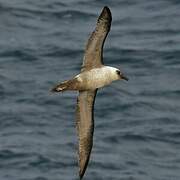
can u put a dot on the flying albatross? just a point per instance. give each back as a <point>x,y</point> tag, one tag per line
<point>94,74</point>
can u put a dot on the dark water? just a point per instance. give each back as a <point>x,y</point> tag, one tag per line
<point>137,123</point>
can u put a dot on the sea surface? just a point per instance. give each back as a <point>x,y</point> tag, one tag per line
<point>137,123</point>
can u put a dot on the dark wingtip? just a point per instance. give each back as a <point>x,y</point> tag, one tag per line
<point>83,170</point>
<point>106,8</point>
<point>107,11</point>
<point>106,14</point>
<point>81,174</point>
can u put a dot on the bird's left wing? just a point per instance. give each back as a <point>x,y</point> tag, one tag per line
<point>85,127</point>
<point>94,48</point>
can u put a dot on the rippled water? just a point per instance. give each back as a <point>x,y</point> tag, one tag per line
<point>137,123</point>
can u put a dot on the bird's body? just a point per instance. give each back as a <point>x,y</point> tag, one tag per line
<point>90,80</point>
<point>94,75</point>
<point>97,77</point>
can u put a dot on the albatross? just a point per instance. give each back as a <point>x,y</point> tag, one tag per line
<point>94,75</point>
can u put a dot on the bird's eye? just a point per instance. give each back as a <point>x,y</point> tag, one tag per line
<point>118,72</point>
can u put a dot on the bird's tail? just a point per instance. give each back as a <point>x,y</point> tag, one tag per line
<point>60,87</point>
<point>66,85</point>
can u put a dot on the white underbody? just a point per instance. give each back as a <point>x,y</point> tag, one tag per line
<point>98,77</point>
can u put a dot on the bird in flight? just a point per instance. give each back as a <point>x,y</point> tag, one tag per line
<point>94,74</point>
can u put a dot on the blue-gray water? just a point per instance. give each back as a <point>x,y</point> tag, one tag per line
<point>137,123</point>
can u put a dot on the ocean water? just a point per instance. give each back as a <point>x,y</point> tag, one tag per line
<point>137,123</point>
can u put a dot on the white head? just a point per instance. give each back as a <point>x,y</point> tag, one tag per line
<point>117,74</point>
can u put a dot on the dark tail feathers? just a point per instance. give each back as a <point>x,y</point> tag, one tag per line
<point>60,87</point>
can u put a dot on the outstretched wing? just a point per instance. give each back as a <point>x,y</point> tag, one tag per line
<point>85,127</point>
<point>94,48</point>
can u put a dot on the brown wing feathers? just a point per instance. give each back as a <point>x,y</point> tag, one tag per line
<point>93,57</point>
<point>85,127</point>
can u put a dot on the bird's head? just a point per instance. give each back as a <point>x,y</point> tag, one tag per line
<point>120,75</point>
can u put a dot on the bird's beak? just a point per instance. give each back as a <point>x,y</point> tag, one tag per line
<point>124,77</point>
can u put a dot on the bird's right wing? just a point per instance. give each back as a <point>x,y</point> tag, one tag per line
<point>85,127</point>
<point>94,48</point>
